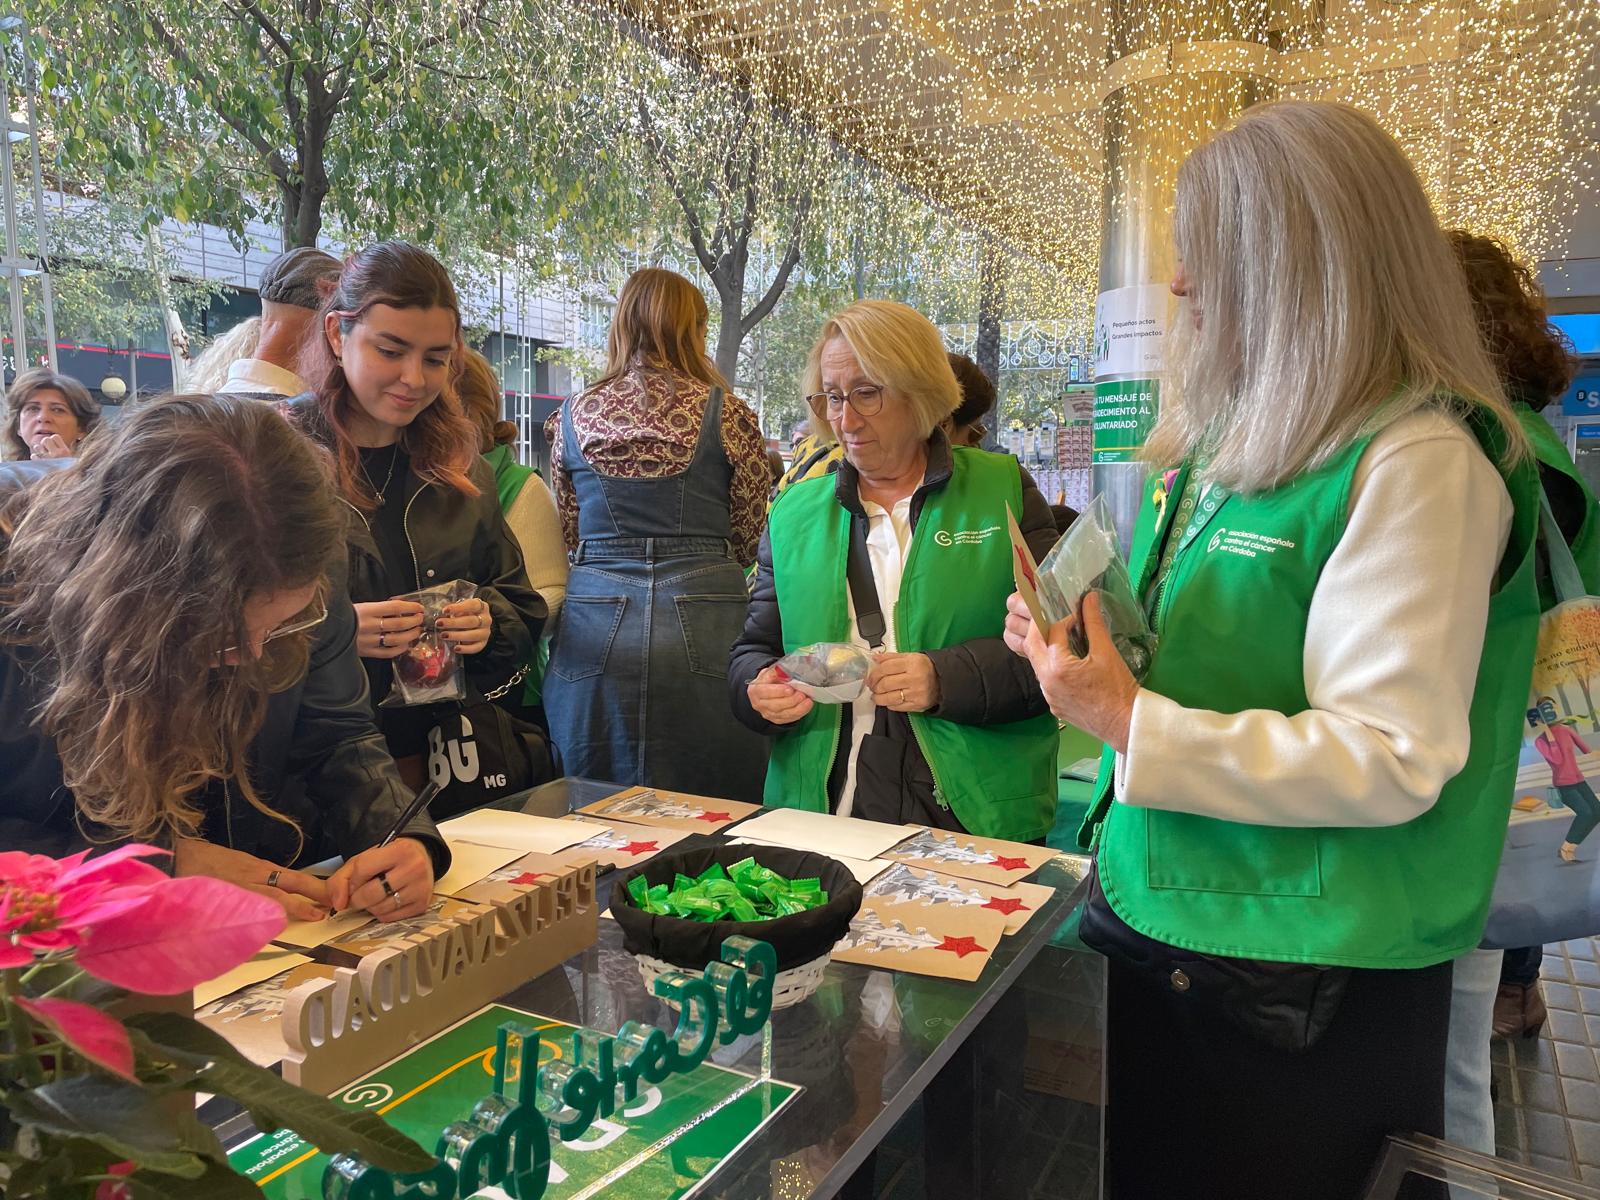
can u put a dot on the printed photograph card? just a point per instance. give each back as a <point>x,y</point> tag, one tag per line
<point>670,810</point>
<point>950,941</point>
<point>991,860</point>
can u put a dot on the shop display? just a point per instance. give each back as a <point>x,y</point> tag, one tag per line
<point>828,672</point>
<point>430,671</point>
<point>951,941</point>
<point>669,1116</point>
<point>670,810</point>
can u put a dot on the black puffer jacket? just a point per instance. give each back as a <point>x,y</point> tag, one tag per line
<point>317,758</point>
<point>980,681</point>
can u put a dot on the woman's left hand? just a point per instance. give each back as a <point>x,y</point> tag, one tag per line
<point>51,445</point>
<point>404,864</point>
<point>1095,693</point>
<point>904,682</point>
<point>466,624</point>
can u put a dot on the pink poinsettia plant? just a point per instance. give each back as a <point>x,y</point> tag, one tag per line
<point>81,1086</point>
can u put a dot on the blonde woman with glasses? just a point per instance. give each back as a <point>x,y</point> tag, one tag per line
<point>1302,804</point>
<point>952,729</point>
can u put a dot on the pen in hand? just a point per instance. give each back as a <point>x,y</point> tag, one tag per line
<point>419,803</point>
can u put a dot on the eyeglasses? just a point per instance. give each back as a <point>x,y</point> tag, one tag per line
<point>315,614</point>
<point>867,400</point>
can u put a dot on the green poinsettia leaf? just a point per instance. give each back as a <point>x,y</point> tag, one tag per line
<point>117,1116</point>
<point>273,1103</point>
<point>219,1182</point>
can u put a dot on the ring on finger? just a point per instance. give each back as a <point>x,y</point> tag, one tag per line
<point>380,624</point>
<point>902,695</point>
<point>272,877</point>
<point>395,895</point>
<point>383,640</point>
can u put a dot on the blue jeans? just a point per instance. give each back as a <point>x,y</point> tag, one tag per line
<point>1468,1109</point>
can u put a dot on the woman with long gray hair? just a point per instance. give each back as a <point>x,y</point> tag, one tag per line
<point>1302,804</point>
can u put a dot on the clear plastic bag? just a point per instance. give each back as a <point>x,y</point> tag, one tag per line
<point>828,672</point>
<point>431,670</point>
<point>1089,558</point>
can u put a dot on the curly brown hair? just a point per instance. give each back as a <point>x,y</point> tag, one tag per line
<point>1534,357</point>
<point>442,442</point>
<point>124,576</point>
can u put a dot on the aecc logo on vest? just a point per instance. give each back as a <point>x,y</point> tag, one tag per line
<point>1246,544</point>
<point>965,537</point>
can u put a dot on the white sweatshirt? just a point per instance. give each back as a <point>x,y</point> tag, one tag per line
<point>1393,638</point>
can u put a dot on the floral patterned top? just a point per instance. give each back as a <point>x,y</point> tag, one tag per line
<point>645,426</point>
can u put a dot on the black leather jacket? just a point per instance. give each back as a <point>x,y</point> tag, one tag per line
<point>456,536</point>
<point>317,758</point>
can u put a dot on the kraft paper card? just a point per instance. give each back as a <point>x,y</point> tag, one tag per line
<point>251,1018</point>
<point>950,941</point>
<point>1025,571</point>
<point>314,933</point>
<point>470,862</point>
<point>622,845</point>
<point>263,965</point>
<point>904,885</point>
<point>670,810</point>
<point>510,881</point>
<point>864,869</point>
<point>837,837</point>
<point>376,936</point>
<point>518,831</point>
<point>989,859</point>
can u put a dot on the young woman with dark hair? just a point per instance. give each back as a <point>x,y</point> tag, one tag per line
<point>177,665</point>
<point>425,509</point>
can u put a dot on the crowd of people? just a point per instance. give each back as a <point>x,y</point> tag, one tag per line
<point>204,606</point>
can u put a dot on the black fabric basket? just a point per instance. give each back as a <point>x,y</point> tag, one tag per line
<point>797,939</point>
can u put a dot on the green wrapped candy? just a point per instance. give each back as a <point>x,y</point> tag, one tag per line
<point>746,891</point>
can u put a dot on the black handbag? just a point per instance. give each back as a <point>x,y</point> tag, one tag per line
<point>479,752</point>
<point>1286,1006</point>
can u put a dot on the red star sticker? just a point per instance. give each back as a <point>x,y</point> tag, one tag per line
<point>1005,904</point>
<point>640,848</point>
<point>532,877</point>
<point>1010,864</point>
<point>961,946</point>
<point>714,817</point>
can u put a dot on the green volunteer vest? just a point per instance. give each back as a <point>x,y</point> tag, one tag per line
<point>999,780</point>
<point>1548,449</point>
<point>509,474</point>
<point>1231,616</point>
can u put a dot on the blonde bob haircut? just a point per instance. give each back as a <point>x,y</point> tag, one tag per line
<point>1325,300</point>
<point>900,350</point>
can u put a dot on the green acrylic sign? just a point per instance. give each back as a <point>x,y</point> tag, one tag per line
<point>630,1094</point>
<point>1124,413</point>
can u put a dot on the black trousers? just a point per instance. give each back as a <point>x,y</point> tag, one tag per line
<point>1200,1109</point>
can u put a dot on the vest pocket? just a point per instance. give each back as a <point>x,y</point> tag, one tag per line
<point>710,626</point>
<point>1202,854</point>
<point>582,643</point>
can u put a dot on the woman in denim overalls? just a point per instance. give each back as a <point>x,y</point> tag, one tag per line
<point>661,480</point>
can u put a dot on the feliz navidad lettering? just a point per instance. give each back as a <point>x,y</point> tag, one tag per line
<point>505,1142</point>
